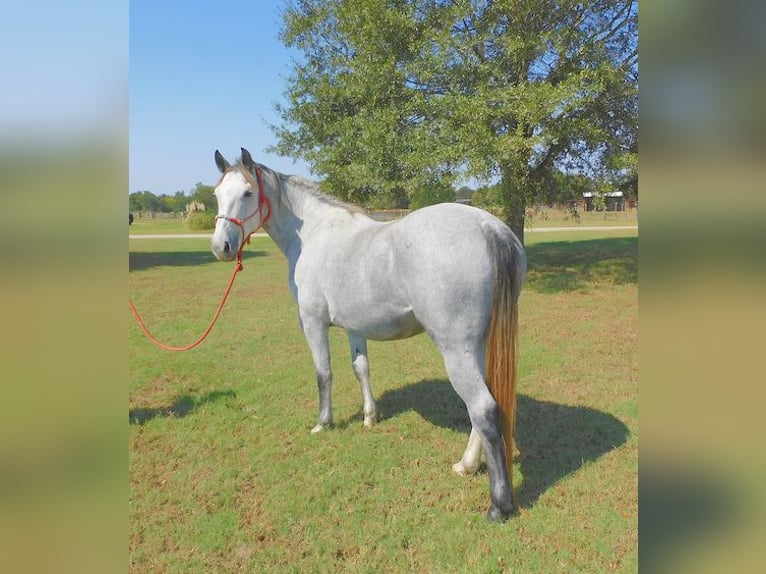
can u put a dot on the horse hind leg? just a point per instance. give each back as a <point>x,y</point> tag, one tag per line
<point>467,379</point>
<point>484,417</point>
<point>361,366</point>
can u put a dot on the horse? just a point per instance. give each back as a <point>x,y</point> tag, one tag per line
<point>451,270</point>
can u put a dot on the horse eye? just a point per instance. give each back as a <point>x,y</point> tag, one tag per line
<point>248,193</point>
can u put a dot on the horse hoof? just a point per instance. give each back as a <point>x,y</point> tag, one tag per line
<point>318,428</point>
<point>463,470</point>
<point>496,515</point>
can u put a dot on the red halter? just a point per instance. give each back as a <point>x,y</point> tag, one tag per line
<point>262,201</point>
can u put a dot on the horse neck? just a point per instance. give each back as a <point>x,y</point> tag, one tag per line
<point>293,211</point>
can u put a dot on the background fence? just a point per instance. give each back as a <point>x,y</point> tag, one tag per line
<point>159,214</point>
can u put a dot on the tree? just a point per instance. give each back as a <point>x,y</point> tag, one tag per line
<point>464,192</point>
<point>204,194</point>
<point>176,202</point>
<point>430,194</point>
<point>488,198</point>
<point>146,201</point>
<point>394,95</point>
<point>567,188</point>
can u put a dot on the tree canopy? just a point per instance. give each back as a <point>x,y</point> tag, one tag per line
<point>394,97</point>
<point>147,201</point>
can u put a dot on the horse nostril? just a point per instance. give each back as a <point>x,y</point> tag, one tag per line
<point>226,247</point>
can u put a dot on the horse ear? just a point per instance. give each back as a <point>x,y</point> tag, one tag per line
<point>247,159</point>
<point>222,164</point>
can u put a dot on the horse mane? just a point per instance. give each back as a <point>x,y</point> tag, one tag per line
<point>304,185</point>
<point>312,188</point>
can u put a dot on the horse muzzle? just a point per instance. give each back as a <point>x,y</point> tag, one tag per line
<point>226,241</point>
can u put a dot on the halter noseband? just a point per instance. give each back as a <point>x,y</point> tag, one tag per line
<point>262,201</point>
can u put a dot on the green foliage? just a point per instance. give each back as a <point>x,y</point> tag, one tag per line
<point>204,194</point>
<point>146,201</point>
<point>394,198</point>
<point>565,188</point>
<point>394,95</point>
<point>487,197</point>
<point>202,220</point>
<point>623,171</point>
<point>430,194</point>
<point>464,192</point>
<point>176,202</point>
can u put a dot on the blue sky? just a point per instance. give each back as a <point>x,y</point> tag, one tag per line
<point>203,76</point>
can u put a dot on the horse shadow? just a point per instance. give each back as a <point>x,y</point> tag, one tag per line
<point>140,260</point>
<point>554,439</point>
<point>181,407</point>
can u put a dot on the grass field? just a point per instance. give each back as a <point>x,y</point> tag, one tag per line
<point>146,226</point>
<point>225,476</point>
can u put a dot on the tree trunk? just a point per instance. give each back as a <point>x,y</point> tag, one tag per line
<point>514,205</point>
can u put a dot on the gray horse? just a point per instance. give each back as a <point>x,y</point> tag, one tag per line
<point>450,270</point>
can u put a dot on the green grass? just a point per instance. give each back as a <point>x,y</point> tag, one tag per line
<point>225,476</point>
<point>147,226</point>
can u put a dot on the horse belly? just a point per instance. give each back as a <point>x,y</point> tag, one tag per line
<point>380,323</point>
<point>363,290</point>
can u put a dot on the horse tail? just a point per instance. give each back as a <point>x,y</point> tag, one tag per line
<point>502,339</point>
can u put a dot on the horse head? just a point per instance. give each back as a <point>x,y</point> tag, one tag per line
<point>242,205</point>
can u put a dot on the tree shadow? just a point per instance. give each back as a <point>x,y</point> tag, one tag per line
<point>574,265</point>
<point>139,260</point>
<point>554,439</point>
<point>180,408</point>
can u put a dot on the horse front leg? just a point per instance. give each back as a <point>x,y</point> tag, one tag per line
<point>317,337</point>
<point>361,366</point>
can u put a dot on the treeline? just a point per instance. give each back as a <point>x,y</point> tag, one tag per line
<point>559,189</point>
<point>148,201</point>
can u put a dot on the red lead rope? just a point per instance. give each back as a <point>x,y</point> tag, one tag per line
<point>262,201</point>
<point>237,269</point>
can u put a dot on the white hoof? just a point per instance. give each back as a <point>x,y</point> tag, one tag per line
<point>459,468</point>
<point>464,470</point>
<point>370,417</point>
<point>318,428</point>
